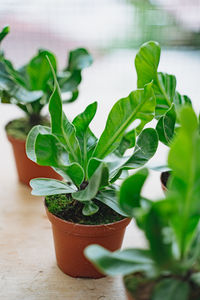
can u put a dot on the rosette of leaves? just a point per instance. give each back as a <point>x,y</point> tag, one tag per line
<point>170,268</point>
<point>168,99</point>
<point>89,164</point>
<point>30,86</point>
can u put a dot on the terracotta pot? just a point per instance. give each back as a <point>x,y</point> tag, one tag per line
<point>70,240</point>
<point>128,295</point>
<point>26,168</point>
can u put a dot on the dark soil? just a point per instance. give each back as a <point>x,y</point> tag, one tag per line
<point>165,177</point>
<point>142,289</point>
<point>19,128</point>
<point>68,209</point>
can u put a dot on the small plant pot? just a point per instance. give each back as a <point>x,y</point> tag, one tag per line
<point>26,168</point>
<point>70,240</point>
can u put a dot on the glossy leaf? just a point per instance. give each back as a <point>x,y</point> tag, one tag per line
<point>146,63</point>
<point>31,139</point>
<point>129,197</point>
<point>145,148</point>
<point>140,104</point>
<point>47,187</point>
<point>99,179</point>
<point>86,138</point>
<point>60,125</point>
<point>79,59</point>
<point>120,262</point>
<point>39,71</point>
<point>166,125</point>
<point>90,208</point>
<point>109,198</point>
<point>164,85</point>
<point>127,142</point>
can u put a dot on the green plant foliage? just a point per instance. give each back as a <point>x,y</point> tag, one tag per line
<point>171,225</point>
<point>168,100</point>
<point>30,86</point>
<point>92,165</point>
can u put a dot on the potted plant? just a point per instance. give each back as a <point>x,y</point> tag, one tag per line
<point>170,267</point>
<point>29,88</point>
<point>83,209</point>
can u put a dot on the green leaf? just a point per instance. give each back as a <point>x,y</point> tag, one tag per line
<point>166,125</point>
<point>90,208</point>
<point>129,197</point>
<point>140,104</point>
<point>60,125</point>
<point>39,71</point>
<point>46,150</point>
<point>47,187</point>
<point>109,198</point>
<point>120,262</point>
<point>146,147</point>
<point>170,289</point>
<point>146,63</point>
<point>79,59</point>
<point>86,138</point>
<point>127,142</point>
<point>4,32</point>
<point>184,181</point>
<point>99,179</point>
<point>164,85</point>
<point>31,139</point>
<point>196,278</point>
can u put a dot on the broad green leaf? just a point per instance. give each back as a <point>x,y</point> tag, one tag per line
<point>145,148</point>
<point>140,104</point>
<point>129,197</point>
<point>164,85</point>
<point>31,139</point>
<point>47,187</point>
<point>166,125</point>
<point>99,179</point>
<point>45,149</point>
<point>196,278</point>
<point>146,63</point>
<point>90,208</point>
<point>184,181</point>
<point>171,289</point>
<point>79,59</point>
<point>4,32</point>
<point>39,71</point>
<point>60,125</point>
<point>109,198</point>
<point>120,262</point>
<point>11,89</point>
<point>127,142</point>
<point>86,138</point>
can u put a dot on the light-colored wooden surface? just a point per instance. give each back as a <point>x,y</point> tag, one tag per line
<point>28,268</point>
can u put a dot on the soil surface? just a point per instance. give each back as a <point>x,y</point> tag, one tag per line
<point>68,209</point>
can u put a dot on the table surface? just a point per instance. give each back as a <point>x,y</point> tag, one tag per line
<point>28,268</point>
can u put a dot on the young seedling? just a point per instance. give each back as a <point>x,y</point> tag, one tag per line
<point>30,86</point>
<point>90,165</point>
<point>170,268</point>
